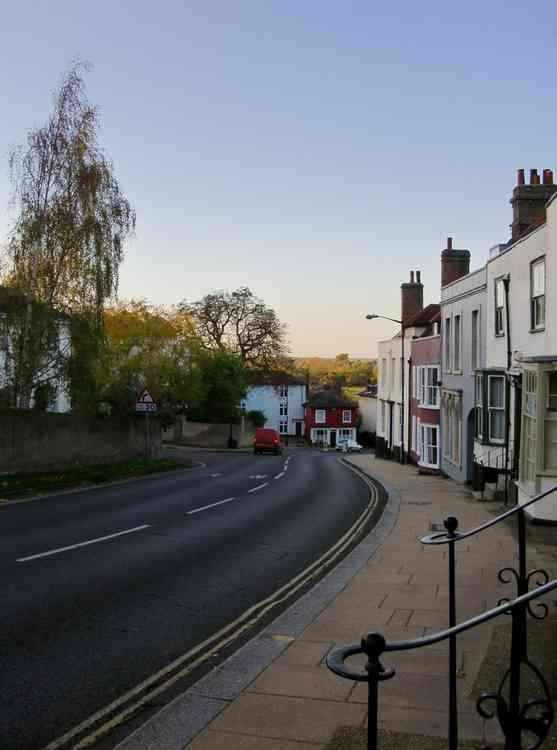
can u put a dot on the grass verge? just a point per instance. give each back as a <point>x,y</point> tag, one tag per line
<point>16,486</point>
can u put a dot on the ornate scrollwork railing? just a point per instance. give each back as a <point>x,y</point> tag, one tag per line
<point>525,726</point>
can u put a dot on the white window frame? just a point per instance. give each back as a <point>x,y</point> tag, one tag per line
<point>457,343</point>
<point>499,307</point>
<point>283,427</point>
<point>447,344</point>
<point>491,408</point>
<point>414,436</point>
<point>478,406</point>
<point>475,343</point>
<point>429,391</point>
<point>283,391</point>
<point>320,416</point>
<point>346,420</point>
<point>283,409</point>
<point>537,297</point>
<point>427,445</point>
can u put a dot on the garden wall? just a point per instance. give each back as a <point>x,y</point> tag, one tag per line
<point>207,435</point>
<point>32,442</point>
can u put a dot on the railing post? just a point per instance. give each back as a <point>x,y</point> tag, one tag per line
<point>373,645</point>
<point>451,524</point>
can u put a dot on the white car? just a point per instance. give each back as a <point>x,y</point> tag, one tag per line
<point>349,446</point>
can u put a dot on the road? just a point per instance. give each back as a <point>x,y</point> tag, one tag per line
<point>103,588</point>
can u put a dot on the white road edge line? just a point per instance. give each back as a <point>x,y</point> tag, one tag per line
<point>82,544</point>
<point>278,476</point>
<point>259,487</point>
<point>212,505</point>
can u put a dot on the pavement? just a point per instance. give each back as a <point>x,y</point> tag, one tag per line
<point>277,693</point>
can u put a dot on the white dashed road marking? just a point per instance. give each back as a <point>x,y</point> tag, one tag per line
<point>259,487</point>
<point>82,544</point>
<point>212,505</point>
<point>278,476</point>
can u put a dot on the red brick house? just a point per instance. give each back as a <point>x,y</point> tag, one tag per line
<point>330,418</point>
<point>425,401</point>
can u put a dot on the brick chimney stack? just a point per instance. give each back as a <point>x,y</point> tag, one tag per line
<point>411,297</point>
<point>529,201</point>
<point>454,263</point>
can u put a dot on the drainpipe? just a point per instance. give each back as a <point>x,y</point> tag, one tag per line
<point>409,412</point>
<point>506,285</point>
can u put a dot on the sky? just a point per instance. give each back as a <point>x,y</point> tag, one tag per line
<point>314,151</point>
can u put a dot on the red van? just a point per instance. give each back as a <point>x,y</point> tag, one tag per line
<point>266,440</point>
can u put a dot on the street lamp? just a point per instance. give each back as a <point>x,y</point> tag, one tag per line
<point>401,324</point>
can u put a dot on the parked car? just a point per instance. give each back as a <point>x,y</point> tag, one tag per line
<point>266,439</point>
<point>349,446</point>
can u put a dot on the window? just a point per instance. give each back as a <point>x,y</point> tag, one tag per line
<point>347,416</point>
<point>320,416</point>
<point>475,339</point>
<point>428,385</point>
<point>283,408</point>
<point>499,305</point>
<point>283,391</point>
<point>429,454</point>
<point>552,391</point>
<point>448,344</point>
<point>496,408</point>
<point>452,427</point>
<point>457,343</point>
<point>283,426</point>
<point>478,409</point>
<point>414,446</point>
<point>431,395</point>
<point>383,373</point>
<point>415,382</point>
<point>345,433</point>
<point>392,373</point>
<point>537,294</point>
<point>529,425</point>
<point>383,424</point>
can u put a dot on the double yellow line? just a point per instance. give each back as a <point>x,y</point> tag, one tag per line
<point>134,700</point>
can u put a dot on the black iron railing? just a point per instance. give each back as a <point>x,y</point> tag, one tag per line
<point>520,724</point>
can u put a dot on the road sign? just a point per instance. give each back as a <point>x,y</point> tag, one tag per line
<point>145,403</point>
<point>145,407</point>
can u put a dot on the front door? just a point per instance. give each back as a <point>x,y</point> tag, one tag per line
<point>333,438</point>
<point>298,429</point>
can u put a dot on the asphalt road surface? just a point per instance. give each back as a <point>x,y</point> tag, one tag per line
<point>101,589</point>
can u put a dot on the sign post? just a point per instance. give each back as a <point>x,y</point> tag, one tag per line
<point>147,405</point>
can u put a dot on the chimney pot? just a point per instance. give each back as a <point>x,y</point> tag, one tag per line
<point>411,277</point>
<point>534,177</point>
<point>418,275</point>
<point>449,243</point>
<point>547,177</point>
<point>520,177</point>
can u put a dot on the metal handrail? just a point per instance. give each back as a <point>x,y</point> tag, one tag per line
<point>335,659</point>
<point>446,537</point>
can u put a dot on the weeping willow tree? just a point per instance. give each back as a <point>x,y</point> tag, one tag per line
<point>67,242</point>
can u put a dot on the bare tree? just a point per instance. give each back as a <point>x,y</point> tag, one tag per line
<point>240,322</point>
<point>67,243</point>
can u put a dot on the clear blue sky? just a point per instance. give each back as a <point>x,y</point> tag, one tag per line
<point>315,151</point>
